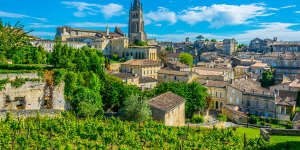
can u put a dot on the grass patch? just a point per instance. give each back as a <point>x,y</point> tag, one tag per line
<point>250,132</point>
<point>281,139</point>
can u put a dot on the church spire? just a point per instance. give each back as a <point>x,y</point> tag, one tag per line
<point>136,4</point>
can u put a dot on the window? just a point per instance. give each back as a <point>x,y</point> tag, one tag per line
<point>237,101</point>
<point>175,78</point>
<point>233,91</point>
<point>230,100</point>
<point>216,94</point>
<point>165,76</point>
<point>220,94</point>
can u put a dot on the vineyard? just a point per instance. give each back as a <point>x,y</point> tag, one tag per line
<point>67,132</point>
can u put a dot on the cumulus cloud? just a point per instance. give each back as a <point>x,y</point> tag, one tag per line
<point>162,14</point>
<point>298,12</point>
<point>96,24</point>
<point>220,15</point>
<point>84,9</point>
<point>15,15</point>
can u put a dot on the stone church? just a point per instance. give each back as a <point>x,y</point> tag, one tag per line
<point>136,23</point>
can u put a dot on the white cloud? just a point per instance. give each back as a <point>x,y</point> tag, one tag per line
<point>289,6</point>
<point>38,33</point>
<point>270,30</point>
<point>267,30</point>
<point>162,14</point>
<point>220,15</point>
<point>273,9</point>
<point>84,9</point>
<point>158,25</point>
<point>298,12</point>
<point>182,36</point>
<point>39,25</point>
<point>96,24</point>
<point>14,15</point>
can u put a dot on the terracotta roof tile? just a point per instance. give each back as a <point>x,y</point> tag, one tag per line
<point>166,101</point>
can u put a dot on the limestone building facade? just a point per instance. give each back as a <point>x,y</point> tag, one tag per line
<point>136,23</point>
<point>34,94</point>
<point>142,67</point>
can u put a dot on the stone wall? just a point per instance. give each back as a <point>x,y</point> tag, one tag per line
<point>30,113</point>
<point>176,117</point>
<point>232,113</point>
<point>32,96</point>
<point>12,76</point>
<point>266,133</point>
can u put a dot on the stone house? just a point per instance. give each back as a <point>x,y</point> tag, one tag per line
<point>169,75</point>
<point>214,74</point>
<point>146,83</point>
<point>34,94</point>
<point>240,71</point>
<point>142,67</point>
<point>251,98</point>
<point>259,68</point>
<point>217,91</point>
<point>168,108</point>
<point>128,78</point>
<point>230,46</point>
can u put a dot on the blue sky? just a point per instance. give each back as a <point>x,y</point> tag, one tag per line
<point>165,20</point>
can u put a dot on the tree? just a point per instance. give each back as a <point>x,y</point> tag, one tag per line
<point>267,79</point>
<point>87,102</point>
<point>200,37</point>
<point>169,48</point>
<point>135,109</point>
<point>206,40</point>
<point>194,93</point>
<point>213,40</point>
<point>163,57</point>
<point>186,58</point>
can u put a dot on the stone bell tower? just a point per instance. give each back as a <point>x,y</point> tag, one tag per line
<point>136,23</point>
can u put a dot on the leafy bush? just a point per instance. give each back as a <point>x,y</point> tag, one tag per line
<point>3,82</point>
<point>197,119</point>
<point>253,119</point>
<point>222,118</point>
<point>263,123</point>
<point>58,76</point>
<point>24,67</point>
<point>18,82</point>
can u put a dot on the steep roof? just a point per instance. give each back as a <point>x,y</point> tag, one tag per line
<point>212,83</point>
<point>173,72</point>
<point>166,102</point>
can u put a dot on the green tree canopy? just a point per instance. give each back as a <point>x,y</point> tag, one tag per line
<point>186,58</point>
<point>213,40</point>
<point>200,37</point>
<point>135,109</point>
<point>194,93</point>
<point>267,79</point>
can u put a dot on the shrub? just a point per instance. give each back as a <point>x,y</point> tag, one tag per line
<point>263,123</point>
<point>222,118</point>
<point>197,119</point>
<point>252,119</point>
